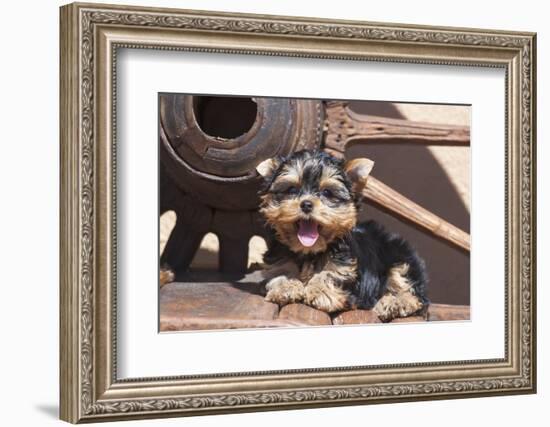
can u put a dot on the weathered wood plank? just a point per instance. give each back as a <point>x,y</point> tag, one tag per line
<point>225,305</point>
<point>443,312</point>
<point>303,314</point>
<point>188,306</point>
<point>356,317</point>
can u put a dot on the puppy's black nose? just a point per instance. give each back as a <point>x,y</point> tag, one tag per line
<point>306,206</point>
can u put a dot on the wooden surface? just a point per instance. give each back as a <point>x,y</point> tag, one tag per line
<point>226,305</point>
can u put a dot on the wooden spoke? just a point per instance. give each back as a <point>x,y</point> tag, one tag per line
<point>390,200</point>
<point>343,126</point>
<point>393,202</point>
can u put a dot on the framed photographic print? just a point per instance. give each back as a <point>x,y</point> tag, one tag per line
<point>265,212</point>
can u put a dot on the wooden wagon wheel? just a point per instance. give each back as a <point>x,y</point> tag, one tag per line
<point>210,147</point>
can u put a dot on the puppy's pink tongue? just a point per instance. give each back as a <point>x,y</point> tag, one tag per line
<point>307,232</point>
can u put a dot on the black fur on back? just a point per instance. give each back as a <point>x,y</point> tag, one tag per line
<point>377,251</point>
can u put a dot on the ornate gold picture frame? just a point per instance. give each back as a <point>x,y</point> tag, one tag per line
<point>91,34</point>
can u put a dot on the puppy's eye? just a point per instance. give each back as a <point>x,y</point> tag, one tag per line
<point>292,190</point>
<point>327,193</point>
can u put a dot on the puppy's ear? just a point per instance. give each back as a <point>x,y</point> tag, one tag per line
<point>268,167</point>
<point>358,171</point>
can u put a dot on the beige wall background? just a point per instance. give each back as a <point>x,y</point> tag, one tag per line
<point>436,177</point>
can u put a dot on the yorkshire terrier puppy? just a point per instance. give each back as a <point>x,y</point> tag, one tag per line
<point>319,255</point>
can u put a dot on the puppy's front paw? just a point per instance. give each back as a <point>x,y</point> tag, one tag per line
<point>323,295</point>
<point>391,306</point>
<point>282,290</point>
<point>386,308</point>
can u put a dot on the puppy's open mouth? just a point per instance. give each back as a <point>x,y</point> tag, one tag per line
<point>308,232</point>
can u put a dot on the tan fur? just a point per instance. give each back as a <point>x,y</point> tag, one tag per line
<point>166,276</point>
<point>332,184</point>
<point>283,286</point>
<point>341,273</point>
<point>323,289</point>
<point>400,300</point>
<point>328,174</point>
<point>267,167</point>
<point>397,280</point>
<point>324,294</point>
<point>296,168</point>
<point>318,283</point>
<point>288,211</point>
<point>358,171</point>
<point>328,181</point>
<point>345,273</point>
<point>334,222</point>
<point>283,290</point>
<point>285,181</point>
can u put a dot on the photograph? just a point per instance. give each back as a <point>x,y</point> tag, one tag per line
<point>275,213</point>
<point>284,212</point>
<point>262,212</point>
